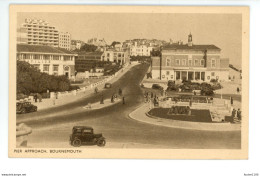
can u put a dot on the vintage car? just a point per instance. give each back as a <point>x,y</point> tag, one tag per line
<point>25,107</point>
<point>157,86</point>
<point>108,85</point>
<point>84,135</point>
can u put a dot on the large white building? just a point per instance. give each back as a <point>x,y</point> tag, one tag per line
<point>64,40</point>
<point>40,32</point>
<point>140,50</point>
<point>50,60</point>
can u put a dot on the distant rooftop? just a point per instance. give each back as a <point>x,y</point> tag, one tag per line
<point>193,47</point>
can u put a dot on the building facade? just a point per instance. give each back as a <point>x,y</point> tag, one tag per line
<point>50,60</point>
<point>190,62</point>
<point>140,50</point>
<point>87,60</point>
<point>64,40</point>
<point>120,56</point>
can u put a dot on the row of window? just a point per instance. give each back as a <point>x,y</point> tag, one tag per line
<point>183,62</point>
<point>45,57</point>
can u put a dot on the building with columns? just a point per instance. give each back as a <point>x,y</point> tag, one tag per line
<point>190,62</point>
<point>50,60</point>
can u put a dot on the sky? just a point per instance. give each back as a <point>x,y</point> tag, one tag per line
<point>222,30</point>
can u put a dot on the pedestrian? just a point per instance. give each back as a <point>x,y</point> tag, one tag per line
<point>190,102</point>
<point>35,98</point>
<point>102,100</point>
<point>239,114</point>
<point>233,114</point>
<point>96,90</point>
<point>120,92</point>
<point>40,97</point>
<point>151,94</point>
<point>238,90</point>
<point>112,99</point>
<point>123,100</point>
<point>231,101</point>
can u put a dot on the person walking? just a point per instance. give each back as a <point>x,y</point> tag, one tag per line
<point>233,114</point>
<point>123,100</point>
<point>102,100</point>
<point>239,114</point>
<point>238,90</point>
<point>112,99</point>
<point>231,101</point>
<point>39,97</point>
<point>35,98</point>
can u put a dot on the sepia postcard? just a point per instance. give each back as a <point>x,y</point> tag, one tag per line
<point>148,82</point>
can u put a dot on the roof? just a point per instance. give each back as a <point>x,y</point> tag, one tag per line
<point>41,49</point>
<point>94,54</point>
<point>82,127</point>
<point>193,47</point>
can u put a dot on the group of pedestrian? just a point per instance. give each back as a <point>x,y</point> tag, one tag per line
<point>236,113</point>
<point>36,97</point>
<point>148,96</point>
<point>114,96</point>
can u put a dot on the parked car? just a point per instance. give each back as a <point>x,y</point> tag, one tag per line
<point>84,135</point>
<point>157,86</point>
<point>25,107</point>
<point>108,85</point>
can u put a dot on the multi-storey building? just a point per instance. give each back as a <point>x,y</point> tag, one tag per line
<point>39,32</point>
<point>64,40</point>
<point>190,62</point>
<point>54,61</point>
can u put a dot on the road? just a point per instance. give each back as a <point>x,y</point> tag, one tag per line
<point>52,127</point>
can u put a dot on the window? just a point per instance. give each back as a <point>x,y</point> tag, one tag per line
<point>178,75</point>
<point>213,63</point>
<point>167,73</point>
<point>168,62</point>
<point>55,68</point>
<point>201,62</point>
<point>171,76</point>
<point>66,58</point>
<point>190,62</point>
<point>212,73</point>
<point>46,57</point>
<point>46,68</point>
<point>36,57</point>
<point>184,62</point>
<point>108,54</point>
<point>55,57</point>
<point>177,61</point>
<point>196,62</point>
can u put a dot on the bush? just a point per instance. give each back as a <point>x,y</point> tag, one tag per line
<point>73,88</point>
<point>30,80</point>
<point>21,96</point>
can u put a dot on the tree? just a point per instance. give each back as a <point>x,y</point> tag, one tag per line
<point>88,48</point>
<point>114,43</point>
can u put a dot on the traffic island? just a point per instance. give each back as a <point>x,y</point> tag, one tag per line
<point>141,114</point>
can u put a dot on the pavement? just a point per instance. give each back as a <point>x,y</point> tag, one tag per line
<point>51,102</point>
<point>140,114</point>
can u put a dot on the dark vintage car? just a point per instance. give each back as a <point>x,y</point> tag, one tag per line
<point>83,135</point>
<point>157,86</point>
<point>108,85</point>
<point>25,107</point>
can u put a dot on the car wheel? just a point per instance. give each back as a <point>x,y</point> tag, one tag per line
<point>101,142</point>
<point>76,143</point>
